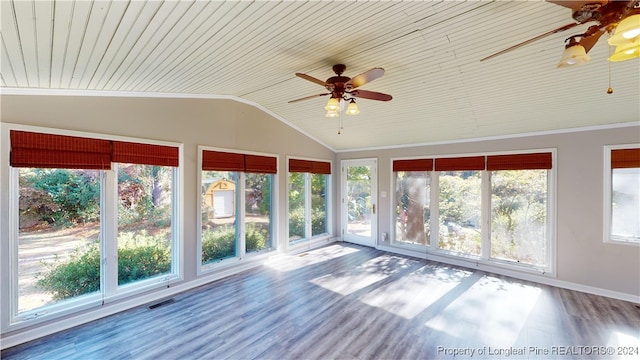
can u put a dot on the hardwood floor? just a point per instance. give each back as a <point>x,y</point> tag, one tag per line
<point>350,302</point>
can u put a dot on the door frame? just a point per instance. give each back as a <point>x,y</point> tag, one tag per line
<point>373,162</point>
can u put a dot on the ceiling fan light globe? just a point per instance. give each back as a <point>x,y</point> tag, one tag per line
<point>626,52</point>
<point>332,114</point>
<point>352,109</point>
<point>574,55</point>
<point>627,31</point>
<point>332,105</point>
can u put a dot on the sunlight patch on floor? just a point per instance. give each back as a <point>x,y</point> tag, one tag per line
<point>490,309</point>
<point>289,262</point>
<point>621,339</point>
<point>370,272</point>
<point>415,292</point>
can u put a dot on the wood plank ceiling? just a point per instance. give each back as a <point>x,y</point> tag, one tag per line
<point>251,50</point>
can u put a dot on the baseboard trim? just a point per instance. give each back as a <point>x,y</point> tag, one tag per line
<point>527,276</point>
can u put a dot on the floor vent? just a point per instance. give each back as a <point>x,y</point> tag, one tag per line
<point>161,303</point>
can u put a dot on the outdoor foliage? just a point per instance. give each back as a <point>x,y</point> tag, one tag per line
<point>141,256</point>
<point>459,204</point>
<point>259,193</point>
<point>297,205</point>
<point>412,207</point>
<point>220,244</point>
<point>59,197</point>
<point>518,206</point>
<point>257,237</point>
<point>144,195</point>
<point>359,181</point>
<point>81,273</point>
<point>318,221</point>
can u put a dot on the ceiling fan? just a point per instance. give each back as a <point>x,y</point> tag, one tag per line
<point>345,88</point>
<point>606,15</point>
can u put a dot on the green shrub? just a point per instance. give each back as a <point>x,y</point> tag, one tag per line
<point>257,237</point>
<point>218,244</point>
<point>139,257</point>
<point>296,222</point>
<point>80,275</point>
<point>318,221</point>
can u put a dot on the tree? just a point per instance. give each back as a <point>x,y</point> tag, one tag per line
<point>412,192</point>
<point>60,196</point>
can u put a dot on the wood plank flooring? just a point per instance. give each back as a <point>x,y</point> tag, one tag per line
<point>345,301</point>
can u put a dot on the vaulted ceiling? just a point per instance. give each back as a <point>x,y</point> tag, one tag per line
<point>250,50</point>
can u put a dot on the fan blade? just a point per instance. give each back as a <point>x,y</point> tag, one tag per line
<point>589,41</point>
<point>311,78</point>
<point>309,97</point>
<point>364,78</point>
<point>562,28</point>
<point>372,95</point>
<point>576,5</point>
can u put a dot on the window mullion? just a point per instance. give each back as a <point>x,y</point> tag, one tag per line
<point>435,210</point>
<point>108,232</point>
<point>240,215</point>
<point>485,215</point>
<point>307,206</point>
<point>14,221</point>
<point>176,243</point>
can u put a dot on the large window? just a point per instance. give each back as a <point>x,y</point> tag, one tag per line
<point>412,201</point>
<point>144,221</point>
<point>459,211</point>
<point>59,234</point>
<point>520,207</point>
<point>67,237</point>
<point>236,204</point>
<point>490,208</point>
<point>622,194</point>
<point>308,199</point>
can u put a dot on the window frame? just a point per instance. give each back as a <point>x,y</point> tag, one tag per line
<point>109,290</point>
<point>485,212</point>
<point>241,253</point>
<point>607,194</point>
<point>308,239</point>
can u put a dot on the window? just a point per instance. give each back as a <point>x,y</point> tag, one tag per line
<point>308,199</point>
<point>519,208</point>
<point>412,201</point>
<point>236,191</point>
<point>491,208</point>
<point>459,208</point>
<point>318,204</point>
<point>59,232</point>
<point>144,221</point>
<point>66,235</point>
<point>622,194</point>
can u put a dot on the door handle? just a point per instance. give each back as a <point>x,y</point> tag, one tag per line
<point>374,208</point>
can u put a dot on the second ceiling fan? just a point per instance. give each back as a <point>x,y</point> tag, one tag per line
<point>606,16</point>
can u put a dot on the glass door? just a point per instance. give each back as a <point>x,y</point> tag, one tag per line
<point>359,201</point>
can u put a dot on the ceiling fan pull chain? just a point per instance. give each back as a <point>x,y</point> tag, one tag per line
<point>610,89</point>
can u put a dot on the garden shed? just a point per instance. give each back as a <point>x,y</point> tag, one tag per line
<point>220,196</point>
